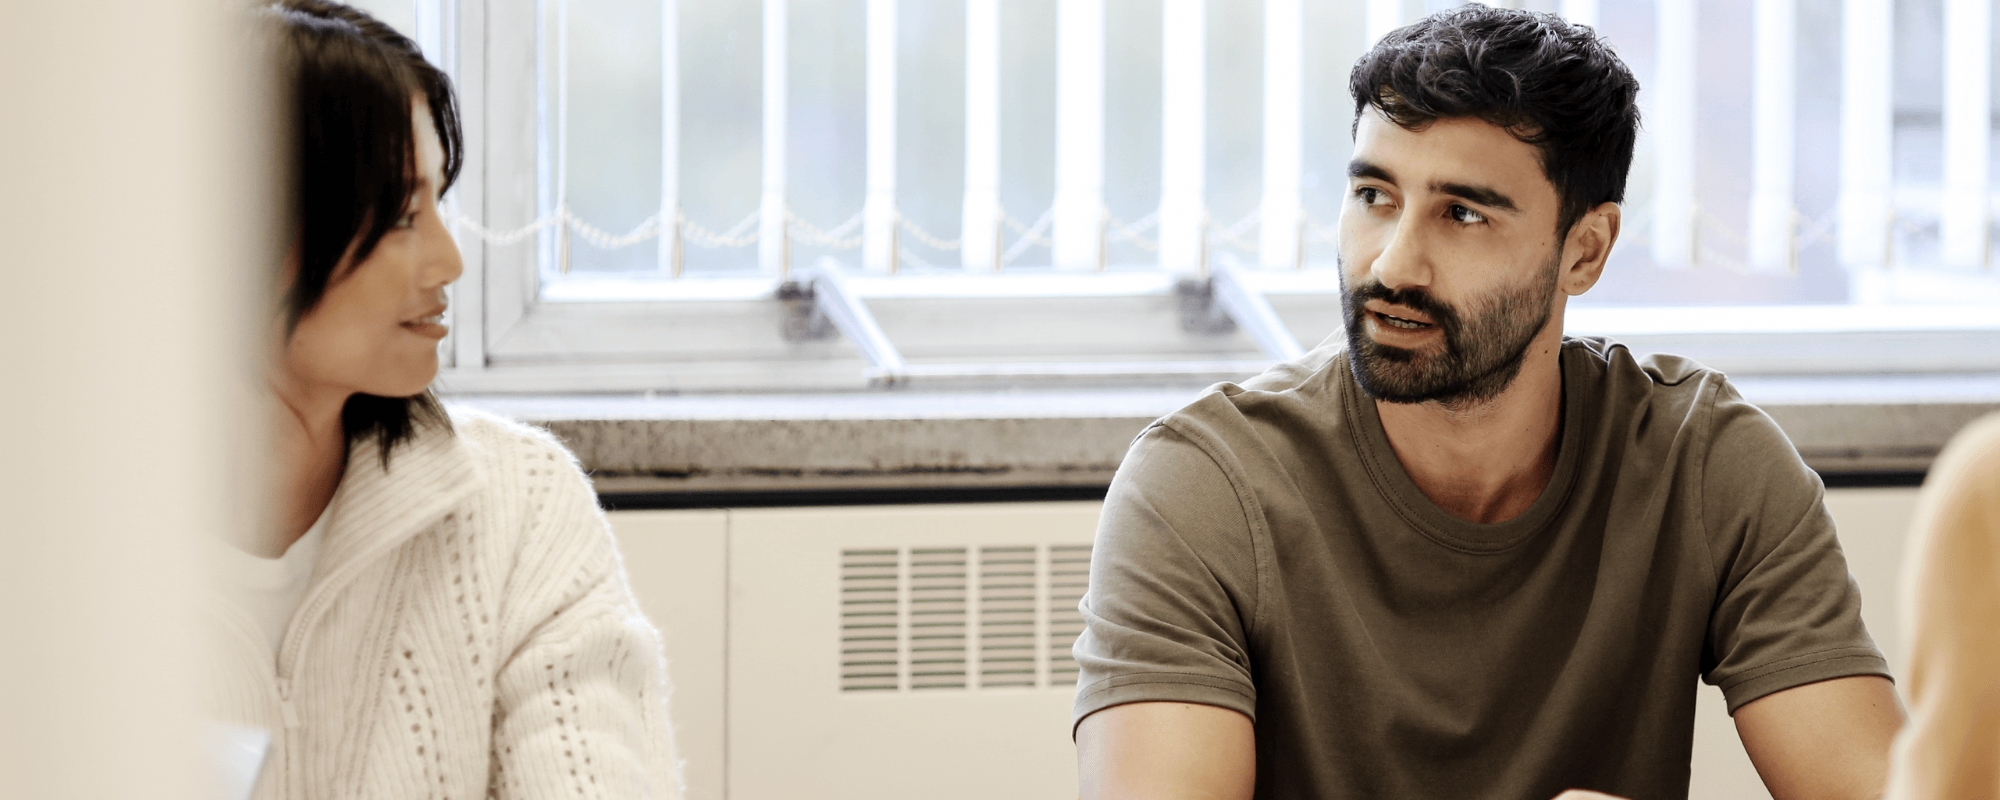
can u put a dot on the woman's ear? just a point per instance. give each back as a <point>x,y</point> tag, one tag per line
<point>1587,247</point>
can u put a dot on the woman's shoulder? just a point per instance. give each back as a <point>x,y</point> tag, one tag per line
<point>498,435</point>
<point>514,455</point>
<point>525,471</point>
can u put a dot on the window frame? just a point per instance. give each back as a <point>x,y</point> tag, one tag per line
<point>512,334</point>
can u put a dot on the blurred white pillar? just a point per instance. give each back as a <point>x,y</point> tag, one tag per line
<point>1079,206</point>
<point>979,228</point>
<point>107,494</point>
<point>1968,128</point>
<point>562,138</point>
<point>878,209</point>
<point>1183,138</point>
<point>1773,215</point>
<point>1867,128</point>
<point>1581,12</point>
<point>1279,230</point>
<point>431,33</point>
<point>1383,16</point>
<point>670,137</point>
<point>773,243</point>
<point>1673,124</point>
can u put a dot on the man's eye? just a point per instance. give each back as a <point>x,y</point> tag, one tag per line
<point>1368,195</point>
<point>1465,216</point>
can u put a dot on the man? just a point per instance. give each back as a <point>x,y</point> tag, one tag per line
<point>1464,556</point>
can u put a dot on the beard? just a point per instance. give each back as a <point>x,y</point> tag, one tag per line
<point>1483,348</point>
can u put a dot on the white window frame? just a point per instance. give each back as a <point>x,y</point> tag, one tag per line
<point>513,334</point>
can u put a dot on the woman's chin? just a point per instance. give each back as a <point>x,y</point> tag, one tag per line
<point>408,384</point>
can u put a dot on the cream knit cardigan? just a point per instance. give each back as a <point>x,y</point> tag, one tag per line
<point>467,633</point>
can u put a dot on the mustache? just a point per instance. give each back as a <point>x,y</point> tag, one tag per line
<point>1412,298</point>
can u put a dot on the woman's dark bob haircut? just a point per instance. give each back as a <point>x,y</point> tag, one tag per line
<point>347,81</point>
<point>1550,83</point>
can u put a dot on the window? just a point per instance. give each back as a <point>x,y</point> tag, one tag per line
<point>1071,192</point>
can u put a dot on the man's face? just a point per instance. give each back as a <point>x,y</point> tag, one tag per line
<point>1449,259</point>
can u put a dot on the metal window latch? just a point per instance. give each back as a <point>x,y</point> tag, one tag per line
<point>818,301</point>
<point>1223,302</point>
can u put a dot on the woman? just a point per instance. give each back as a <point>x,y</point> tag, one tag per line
<point>439,609</point>
<point>1951,620</point>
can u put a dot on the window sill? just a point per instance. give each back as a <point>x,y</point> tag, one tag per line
<point>1851,429</point>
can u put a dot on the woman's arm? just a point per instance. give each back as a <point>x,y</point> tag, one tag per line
<point>581,704</point>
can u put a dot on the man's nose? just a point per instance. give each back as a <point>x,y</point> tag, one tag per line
<point>1404,260</point>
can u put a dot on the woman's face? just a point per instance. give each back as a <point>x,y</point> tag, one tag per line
<point>376,330</point>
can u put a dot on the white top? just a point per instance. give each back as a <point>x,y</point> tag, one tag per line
<point>269,589</point>
<point>466,633</point>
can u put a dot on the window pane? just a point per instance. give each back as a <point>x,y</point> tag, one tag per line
<point>614,128</point>
<point>721,126</point>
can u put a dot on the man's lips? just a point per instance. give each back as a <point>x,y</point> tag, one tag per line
<point>1400,318</point>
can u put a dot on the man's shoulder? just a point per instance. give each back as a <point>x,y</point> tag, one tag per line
<point>1306,386</point>
<point>1611,360</point>
<point>1289,402</point>
<point>1668,409</point>
<point>1655,386</point>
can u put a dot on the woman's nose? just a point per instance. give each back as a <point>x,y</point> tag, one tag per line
<point>442,262</point>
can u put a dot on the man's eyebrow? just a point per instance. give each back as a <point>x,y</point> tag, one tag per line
<point>1481,195</point>
<point>1477,194</point>
<point>1363,169</point>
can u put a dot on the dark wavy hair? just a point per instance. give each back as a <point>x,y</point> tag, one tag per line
<point>1550,83</point>
<point>346,81</point>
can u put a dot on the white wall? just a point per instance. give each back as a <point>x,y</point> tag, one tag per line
<point>124,208</point>
<point>748,606</point>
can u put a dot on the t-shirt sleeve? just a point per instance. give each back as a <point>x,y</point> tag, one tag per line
<point>1787,613</point>
<point>1172,585</point>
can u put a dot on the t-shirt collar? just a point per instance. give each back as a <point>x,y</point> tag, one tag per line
<point>1402,494</point>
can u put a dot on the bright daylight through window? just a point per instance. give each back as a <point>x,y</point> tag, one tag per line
<point>827,195</point>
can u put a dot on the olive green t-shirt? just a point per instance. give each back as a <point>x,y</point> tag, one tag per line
<point>1263,550</point>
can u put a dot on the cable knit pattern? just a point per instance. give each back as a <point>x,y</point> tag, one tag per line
<point>468,633</point>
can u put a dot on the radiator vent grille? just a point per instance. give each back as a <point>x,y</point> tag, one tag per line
<point>868,624</point>
<point>960,618</point>
<point>1069,576</point>
<point>937,618</point>
<point>1007,616</point>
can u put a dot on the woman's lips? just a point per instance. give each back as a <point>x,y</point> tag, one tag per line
<point>432,326</point>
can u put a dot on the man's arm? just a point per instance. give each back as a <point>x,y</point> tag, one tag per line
<point>1823,740</point>
<point>1166,751</point>
<point>1787,645</point>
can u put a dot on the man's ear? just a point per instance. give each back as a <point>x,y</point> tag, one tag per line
<point>1587,247</point>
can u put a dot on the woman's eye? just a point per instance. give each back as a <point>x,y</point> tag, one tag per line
<point>1465,216</point>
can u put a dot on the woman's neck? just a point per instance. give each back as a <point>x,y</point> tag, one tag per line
<point>309,454</point>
